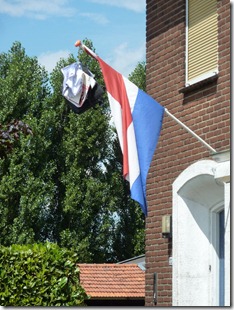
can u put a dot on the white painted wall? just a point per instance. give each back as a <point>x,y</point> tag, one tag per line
<point>198,194</point>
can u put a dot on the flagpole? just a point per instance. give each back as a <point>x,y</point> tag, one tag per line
<point>190,131</point>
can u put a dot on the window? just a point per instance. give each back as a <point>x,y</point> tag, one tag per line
<point>201,40</point>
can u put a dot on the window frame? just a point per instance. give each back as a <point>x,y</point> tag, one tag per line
<point>215,253</point>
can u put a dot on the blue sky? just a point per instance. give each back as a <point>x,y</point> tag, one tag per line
<point>48,29</point>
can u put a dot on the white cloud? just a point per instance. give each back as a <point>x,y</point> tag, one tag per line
<point>133,5</point>
<point>125,60</point>
<point>98,18</point>
<point>38,9</point>
<point>50,59</point>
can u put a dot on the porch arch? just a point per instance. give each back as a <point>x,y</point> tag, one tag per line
<point>197,200</point>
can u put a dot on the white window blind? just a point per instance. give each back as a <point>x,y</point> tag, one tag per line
<point>202,39</point>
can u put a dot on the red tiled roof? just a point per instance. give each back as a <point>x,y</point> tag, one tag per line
<point>112,280</point>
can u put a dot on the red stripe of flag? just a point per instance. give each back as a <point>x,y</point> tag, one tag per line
<point>116,87</point>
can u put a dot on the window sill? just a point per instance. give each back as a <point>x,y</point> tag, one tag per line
<point>199,84</point>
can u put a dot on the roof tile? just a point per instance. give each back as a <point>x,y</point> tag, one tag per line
<point>112,280</point>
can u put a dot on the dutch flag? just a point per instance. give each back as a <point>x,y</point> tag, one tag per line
<point>138,120</point>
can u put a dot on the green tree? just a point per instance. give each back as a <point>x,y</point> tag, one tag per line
<point>138,76</point>
<point>63,182</point>
<point>24,91</point>
<point>53,184</point>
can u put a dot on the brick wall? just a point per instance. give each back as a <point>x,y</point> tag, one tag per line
<point>206,110</point>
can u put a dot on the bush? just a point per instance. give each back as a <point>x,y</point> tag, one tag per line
<point>39,275</point>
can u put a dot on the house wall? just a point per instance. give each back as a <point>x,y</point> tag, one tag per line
<point>206,110</point>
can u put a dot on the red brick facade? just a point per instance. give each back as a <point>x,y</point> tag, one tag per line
<point>205,109</point>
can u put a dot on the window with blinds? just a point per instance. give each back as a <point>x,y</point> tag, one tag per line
<point>201,40</point>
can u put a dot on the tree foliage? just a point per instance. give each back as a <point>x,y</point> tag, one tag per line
<point>39,275</point>
<point>63,182</point>
<point>138,76</point>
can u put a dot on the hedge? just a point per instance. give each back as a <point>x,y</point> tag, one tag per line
<point>39,275</point>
